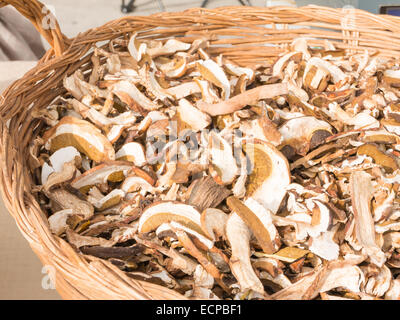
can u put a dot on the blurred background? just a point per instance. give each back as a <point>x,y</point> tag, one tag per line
<point>21,274</point>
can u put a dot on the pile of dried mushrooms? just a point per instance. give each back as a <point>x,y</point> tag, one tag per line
<point>275,181</point>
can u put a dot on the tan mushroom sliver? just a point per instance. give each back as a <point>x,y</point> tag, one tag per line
<point>361,193</point>
<point>249,97</point>
<point>212,72</point>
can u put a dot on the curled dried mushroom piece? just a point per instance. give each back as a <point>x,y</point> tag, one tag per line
<point>225,181</point>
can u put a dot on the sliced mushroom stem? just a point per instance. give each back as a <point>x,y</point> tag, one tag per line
<point>247,98</point>
<point>239,235</point>
<point>361,196</point>
<point>188,244</point>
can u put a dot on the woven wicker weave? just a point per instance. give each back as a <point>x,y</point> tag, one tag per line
<point>246,35</point>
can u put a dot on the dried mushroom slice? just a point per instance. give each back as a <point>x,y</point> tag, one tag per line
<point>191,116</point>
<point>269,175</point>
<point>258,221</point>
<point>288,254</point>
<point>380,137</point>
<point>134,183</point>
<point>223,164</point>
<point>248,97</point>
<point>168,211</point>
<point>361,195</point>
<point>392,77</point>
<point>133,97</point>
<point>132,152</point>
<point>66,200</point>
<point>386,161</point>
<point>212,72</point>
<point>58,221</point>
<point>113,171</point>
<point>136,48</point>
<point>82,135</point>
<point>315,78</point>
<point>67,173</point>
<point>239,235</point>
<point>110,200</point>
<point>304,133</point>
<point>57,160</point>
<point>213,222</point>
<point>205,193</point>
<point>170,47</point>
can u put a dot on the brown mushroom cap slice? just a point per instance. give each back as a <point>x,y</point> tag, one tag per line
<point>213,222</point>
<point>132,152</point>
<point>82,135</point>
<point>165,212</point>
<point>239,235</point>
<point>304,133</point>
<point>380,136</point>
<point>113,171</point>
<point>386,161</point>
<point>259,222</point>
<point>110,200</point>
<point>325,98</point>
<point>270,174</point>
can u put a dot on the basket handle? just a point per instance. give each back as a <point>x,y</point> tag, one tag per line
<point>43,21</point>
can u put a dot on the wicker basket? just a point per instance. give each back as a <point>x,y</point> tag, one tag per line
<point>246,35</point>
